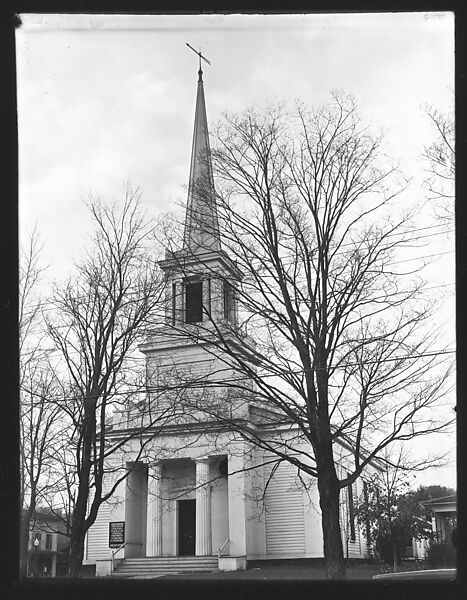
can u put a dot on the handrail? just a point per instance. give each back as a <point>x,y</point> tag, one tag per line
<point>219,551</point>
<point>115,552</point>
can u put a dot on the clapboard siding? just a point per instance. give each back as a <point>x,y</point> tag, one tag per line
<point>219,514</point>
<point>357,549</point>
<point>352,548</point>
<point>98,535</point>
<point>285,527</point>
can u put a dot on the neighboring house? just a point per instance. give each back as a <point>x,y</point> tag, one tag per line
<point>210,492</point>
<point>48,546</point>
<point>444,519</point>
<point>418,550</point>
<point>443,522</point>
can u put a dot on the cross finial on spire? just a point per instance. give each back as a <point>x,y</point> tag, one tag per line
<point>198,52</point>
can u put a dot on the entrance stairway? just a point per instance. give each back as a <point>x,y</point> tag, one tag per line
<point>147,567</point>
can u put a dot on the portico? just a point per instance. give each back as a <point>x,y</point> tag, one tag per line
<point>187,507</point>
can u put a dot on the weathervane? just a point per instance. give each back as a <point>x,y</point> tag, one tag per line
<point>199,54</point>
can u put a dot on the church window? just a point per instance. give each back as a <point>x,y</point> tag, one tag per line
<point>174,302</point>
<point>209,296</point>
<point>194,302</point>
<point>228,301</point>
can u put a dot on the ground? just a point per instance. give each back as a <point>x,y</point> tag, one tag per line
<point>296,572</point>
<point>280,570</point>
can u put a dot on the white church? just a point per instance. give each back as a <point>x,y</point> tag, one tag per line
<point>201,497</point>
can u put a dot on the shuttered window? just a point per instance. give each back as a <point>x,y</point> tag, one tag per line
<point>367,520</point>
<point>174,303</point>
<point>228,301</point>
<point>194,302</point>
<point>285,527</point>
<point>351,511</point>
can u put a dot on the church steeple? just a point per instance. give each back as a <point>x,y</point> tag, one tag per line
<point>200,276</point>
<point>201,221</point>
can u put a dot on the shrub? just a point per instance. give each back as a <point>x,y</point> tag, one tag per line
<point>441,555</point>
<point>384,548</point>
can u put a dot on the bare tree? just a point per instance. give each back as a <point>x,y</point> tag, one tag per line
<point>343,350</point>
<point>41,424</point>
<point>39,415</point>
<point>29,302</point>
<point>99,317</point>
<point>441,159</point>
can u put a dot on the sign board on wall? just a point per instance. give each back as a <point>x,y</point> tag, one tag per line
<point>116,534</point>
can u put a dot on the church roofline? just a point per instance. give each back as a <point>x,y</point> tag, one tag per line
<point>214,426</point>
<point>290,424</point>
<point>164,340</point>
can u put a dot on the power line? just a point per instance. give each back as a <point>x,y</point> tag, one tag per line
<point>419,258</point>
<point>189,384</point>
<point>414,295</point>
<point>52,307</point>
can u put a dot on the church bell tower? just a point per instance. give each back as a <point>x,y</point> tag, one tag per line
<point>200,278</point>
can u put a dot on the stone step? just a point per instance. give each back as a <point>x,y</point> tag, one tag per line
<point>165,565</point>
<point>169,564</point>
<point>178,559</point>
<point>155,572</point>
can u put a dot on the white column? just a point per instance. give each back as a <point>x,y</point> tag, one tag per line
<point>237,505</point>
<point>433,526</point>
<point>53,572</point>
<point>154,520</point>
<point>203,508</point>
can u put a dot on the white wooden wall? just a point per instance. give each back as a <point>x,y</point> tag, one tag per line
<point>97,541</point>
<point>285,528</point>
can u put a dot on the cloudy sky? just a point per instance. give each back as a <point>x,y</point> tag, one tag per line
<point>108,99</point>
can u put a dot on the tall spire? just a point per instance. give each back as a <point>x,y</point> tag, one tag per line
<point>201,222</point>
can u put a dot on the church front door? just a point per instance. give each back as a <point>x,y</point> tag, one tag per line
<point>186,527</point>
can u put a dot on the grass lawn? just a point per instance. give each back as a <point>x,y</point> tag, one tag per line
<point>297,572</point>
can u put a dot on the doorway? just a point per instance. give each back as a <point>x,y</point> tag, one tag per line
<point>186,527</point>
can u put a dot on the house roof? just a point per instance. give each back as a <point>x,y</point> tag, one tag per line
<point>452,499</point>
<point>43,515</point>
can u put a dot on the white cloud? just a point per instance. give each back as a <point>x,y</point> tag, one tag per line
<point>106,98</point>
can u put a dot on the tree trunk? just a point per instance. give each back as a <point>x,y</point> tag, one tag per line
<point>394,557</point>
<point>329,502</point>
<point>24,550</point>
<point>78,522</point>
<point>76,551</point>
<point>78,531</point>
<point>328,482</point>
